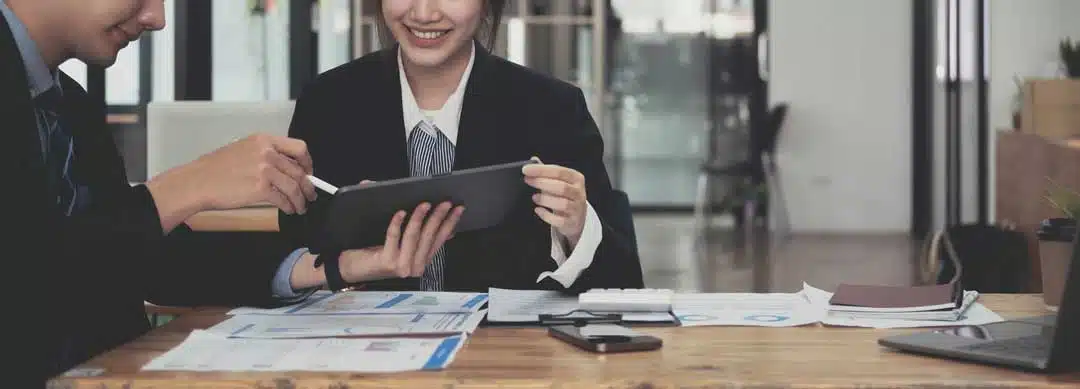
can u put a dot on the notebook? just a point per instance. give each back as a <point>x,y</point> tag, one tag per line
<point>970,297</point>
<point>877,298</point>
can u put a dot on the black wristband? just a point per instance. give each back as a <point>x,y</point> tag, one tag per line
<point>332,270</point>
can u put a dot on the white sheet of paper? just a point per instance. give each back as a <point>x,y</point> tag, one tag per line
<point>316,326</point>
<point>526,306</point>
<point>977,314</point>
<point>206,351</point>
<point>745,309</point>
<point>354,302</point>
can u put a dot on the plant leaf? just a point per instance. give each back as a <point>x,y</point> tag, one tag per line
<point>1065,200</point>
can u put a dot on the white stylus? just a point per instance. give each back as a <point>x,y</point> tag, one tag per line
<point>325,186</point>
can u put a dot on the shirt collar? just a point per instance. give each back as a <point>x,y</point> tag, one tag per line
<point>37,73</point>
<point>446,118</point>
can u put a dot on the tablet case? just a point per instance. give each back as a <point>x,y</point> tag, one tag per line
<point>357,216</point>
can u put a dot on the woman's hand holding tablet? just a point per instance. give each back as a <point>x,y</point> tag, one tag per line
<point>406,251</point>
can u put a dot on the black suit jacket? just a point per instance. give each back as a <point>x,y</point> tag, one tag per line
<point>351,118</point>
<point>76,284</point>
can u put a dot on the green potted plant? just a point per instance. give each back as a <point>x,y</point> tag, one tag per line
<point>1055,241</point>
<point>1070,57</point>
<point>1065,200</point>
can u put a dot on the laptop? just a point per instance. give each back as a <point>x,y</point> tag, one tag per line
<point>1048,344</point>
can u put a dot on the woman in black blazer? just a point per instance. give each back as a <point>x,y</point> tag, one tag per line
<point>437,100</point>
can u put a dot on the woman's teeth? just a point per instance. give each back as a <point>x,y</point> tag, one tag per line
<point>428,34</point>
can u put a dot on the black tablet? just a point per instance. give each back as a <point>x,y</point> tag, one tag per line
<point>357,216</point>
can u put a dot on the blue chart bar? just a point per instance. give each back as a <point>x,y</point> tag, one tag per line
<point>395,301</point>
<point>442,353</point>
<point>475,300</point>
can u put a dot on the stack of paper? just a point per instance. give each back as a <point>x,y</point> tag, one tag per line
<point>355,302</point>
<point>810,306</point>
<point>926,302</point>
<point>325,326</point>
<point>208,351</point>
<point>325,333</point>
<point>971,313</point>
<point>949,313</point>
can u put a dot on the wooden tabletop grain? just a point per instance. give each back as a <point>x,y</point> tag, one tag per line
<point>244,219</point>
<point>727,357</point>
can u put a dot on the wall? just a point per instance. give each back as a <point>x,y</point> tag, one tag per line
<point>1024,37</point>
<point>844,66</point>
<point>250,53</point>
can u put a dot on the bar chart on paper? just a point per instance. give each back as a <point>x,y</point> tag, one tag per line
<point>353,302</point>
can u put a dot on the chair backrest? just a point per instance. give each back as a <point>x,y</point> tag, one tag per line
<point>993,259</point>
<point>178,132</point>
<point>776,118</point>
<point>623,216</point>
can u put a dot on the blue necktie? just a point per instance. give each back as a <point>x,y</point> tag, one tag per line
<point>59,149</point>
<point>430,153</point>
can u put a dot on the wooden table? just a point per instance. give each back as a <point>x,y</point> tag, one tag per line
<point>244,219</point>
<point>804,357</point>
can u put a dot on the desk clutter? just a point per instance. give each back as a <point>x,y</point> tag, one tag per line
<point>378,332</point>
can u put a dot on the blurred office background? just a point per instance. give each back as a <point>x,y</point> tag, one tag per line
<point>878,120</point>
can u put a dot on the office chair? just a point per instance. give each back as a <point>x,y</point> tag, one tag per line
<point>993,259</point>
<point>749,174</point>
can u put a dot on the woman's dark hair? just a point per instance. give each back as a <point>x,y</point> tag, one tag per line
<point>487,32</point>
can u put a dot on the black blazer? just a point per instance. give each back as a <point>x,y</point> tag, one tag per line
<point>76,284</point>
<point>352,121</point>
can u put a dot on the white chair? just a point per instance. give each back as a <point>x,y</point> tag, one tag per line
<point>179,132</point>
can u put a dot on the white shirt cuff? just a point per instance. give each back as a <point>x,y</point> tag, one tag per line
<point>571,266</point>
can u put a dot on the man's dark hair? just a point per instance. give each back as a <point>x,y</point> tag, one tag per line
<point>487,32</point>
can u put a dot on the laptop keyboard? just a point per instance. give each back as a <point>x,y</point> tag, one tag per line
<point>1028,346</point>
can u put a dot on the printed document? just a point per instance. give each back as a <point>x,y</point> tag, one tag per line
<point>526,306</point>
<point>361,302</point>
<point>316,326</point>
<point>745,309</point>
<point>206,351</point>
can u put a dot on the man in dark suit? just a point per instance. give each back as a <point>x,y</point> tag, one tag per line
<point>85,248</point>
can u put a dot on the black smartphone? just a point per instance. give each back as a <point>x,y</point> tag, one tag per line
<point>605,338</point>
